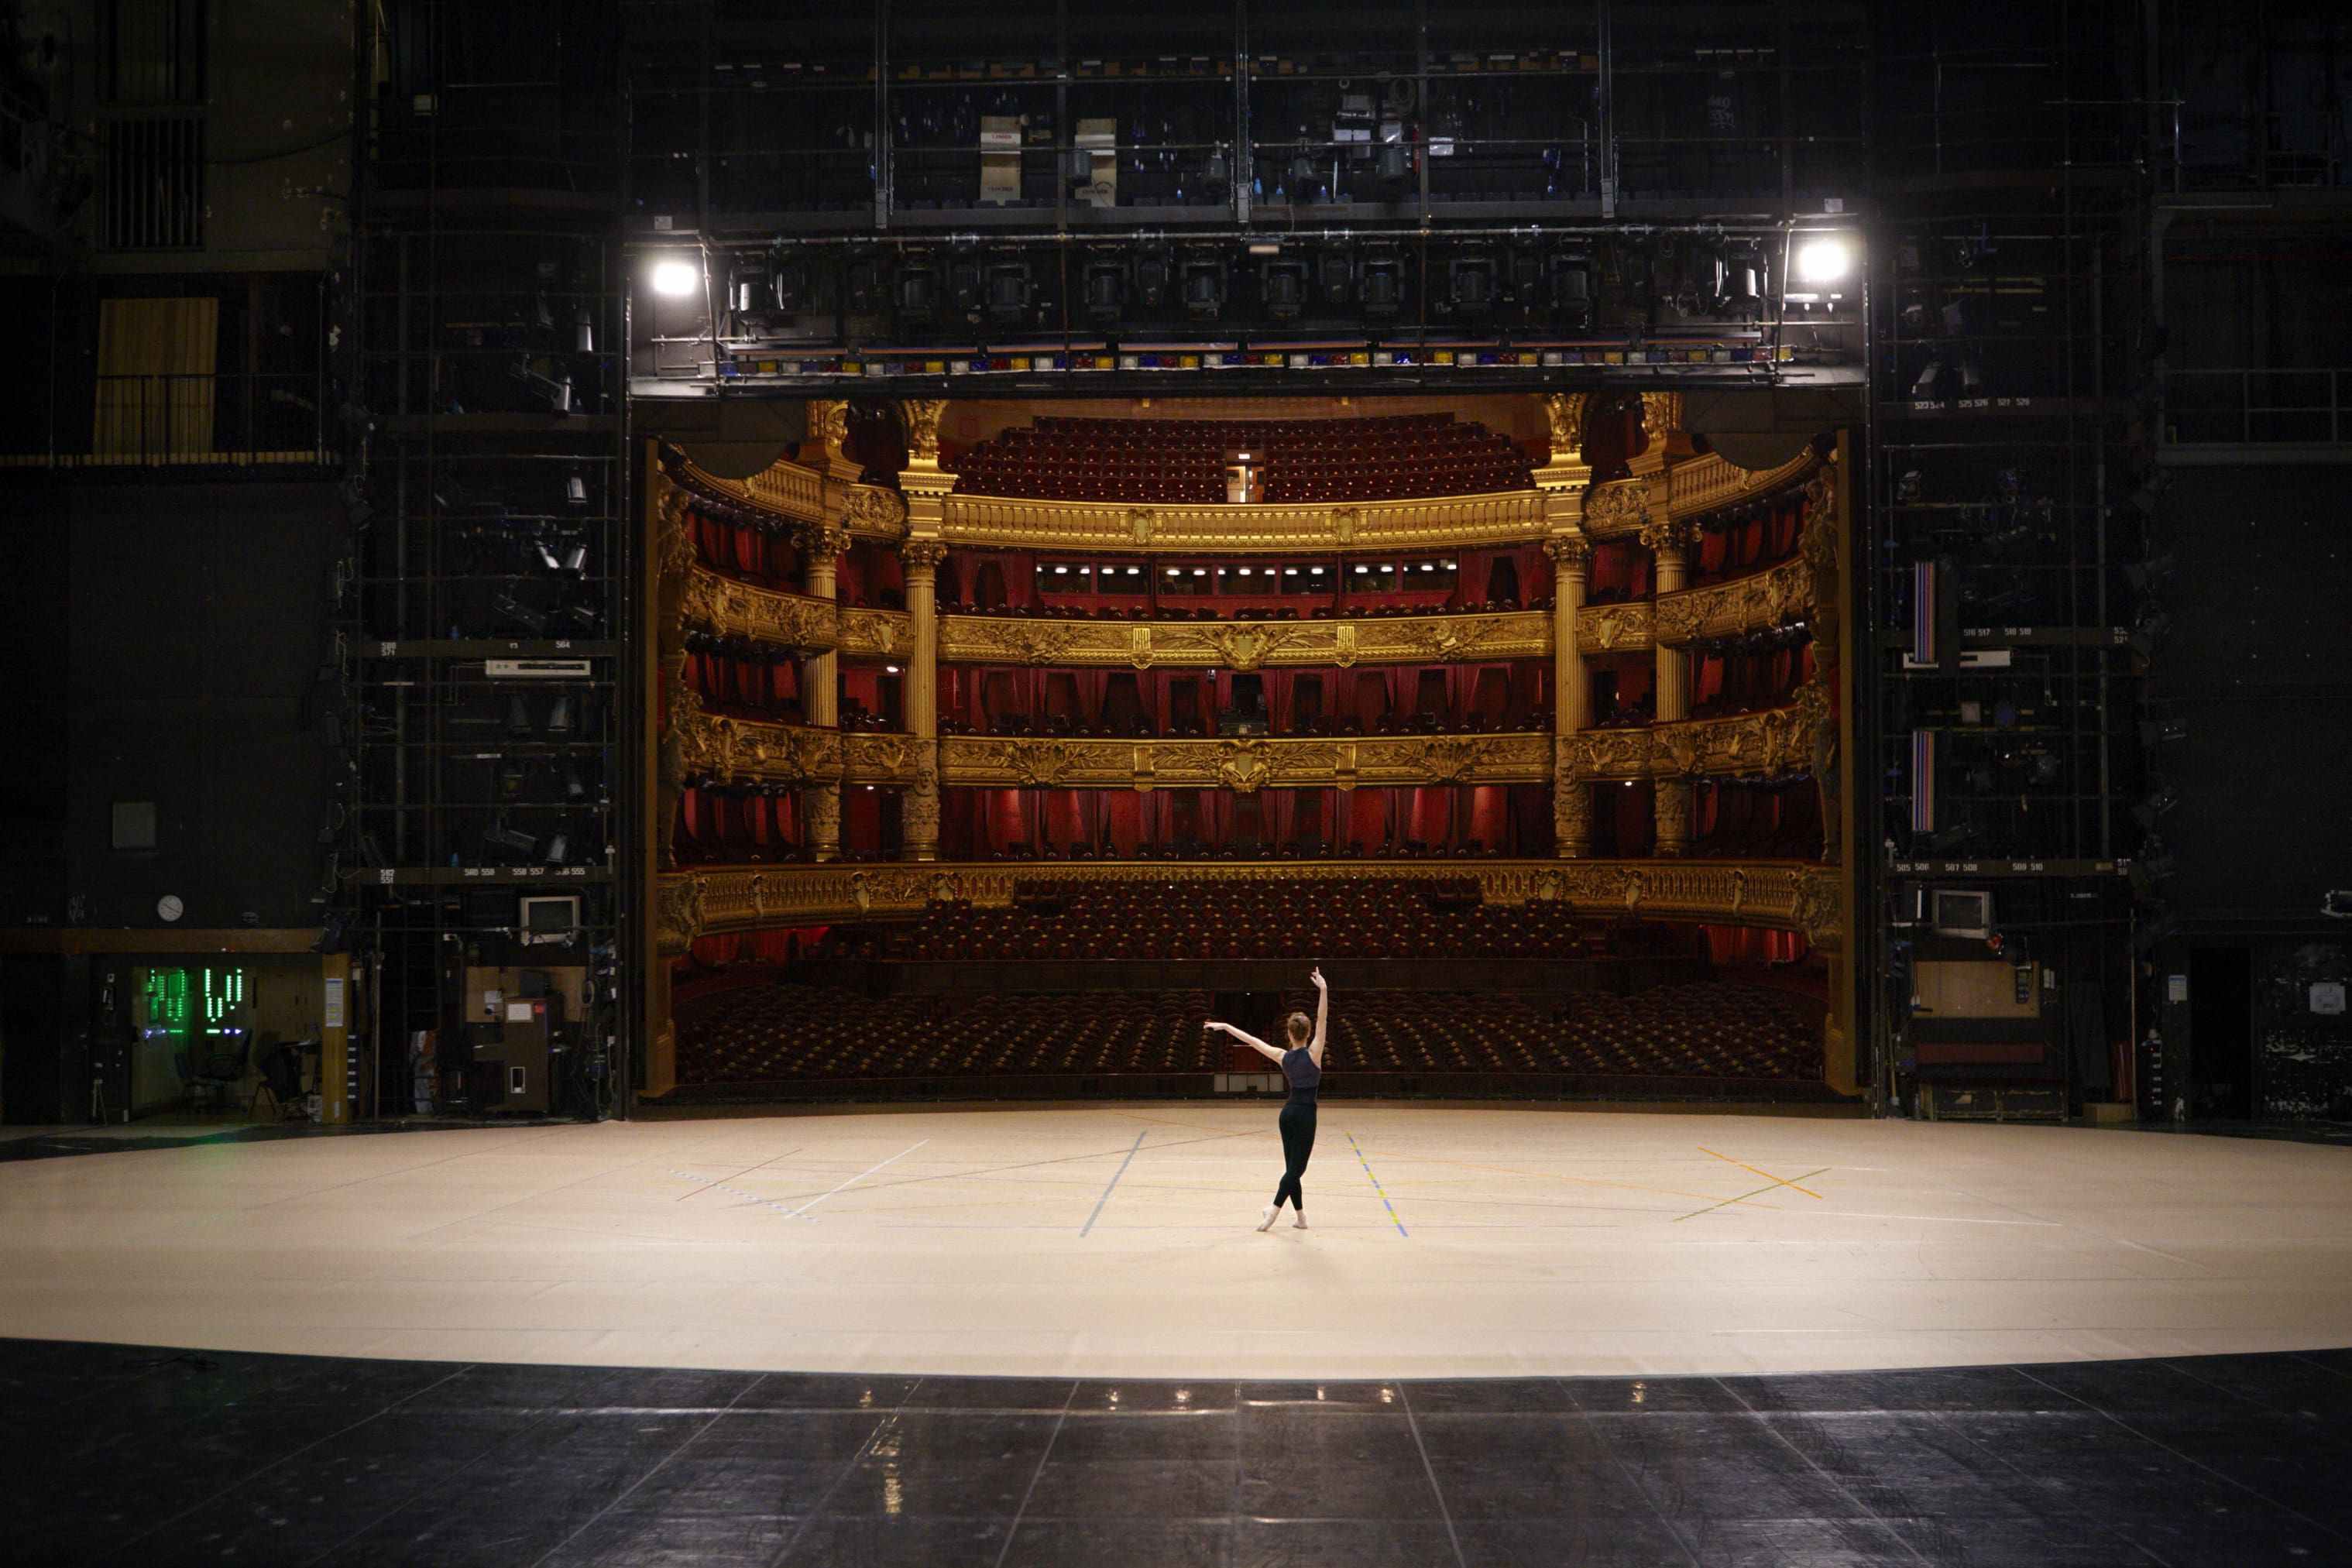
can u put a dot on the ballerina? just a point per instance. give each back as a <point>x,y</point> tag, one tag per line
<point>1302,1064</point>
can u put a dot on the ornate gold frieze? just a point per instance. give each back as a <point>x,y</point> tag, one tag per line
<point>787,489</point>
<point>877,633</point>
<point>1615,628</point>
<point>1768,599</point>
<point>1779,740</point>
<point>1283,762</point>
<point>1429,523</point>
<point>720,746</point>
<point>1774,895</point>
<point>1246,644</point>
<point>869,757</point>
<point>1619,506</point>
<point>735,609</point>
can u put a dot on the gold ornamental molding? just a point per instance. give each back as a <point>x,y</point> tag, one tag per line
<point>876,759</point>
<point>1615,627</point>
<point>1768,598</point>
<point>734,609</point>
<point>1247,644</point>
<point>1779,740</point>
<point>1282,762</point>
<point>1707,481</point>
<point>1440,522</point>
<point>746,750</point>
<point>877,633</point>
<point>786,489</point>
<point>1775,894</point>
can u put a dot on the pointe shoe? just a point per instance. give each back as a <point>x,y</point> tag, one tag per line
<point>1267,1222</point>
<point>1299,1223</point>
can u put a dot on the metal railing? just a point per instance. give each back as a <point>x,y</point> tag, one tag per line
<point>2258,407</point>
<point>189,419</point>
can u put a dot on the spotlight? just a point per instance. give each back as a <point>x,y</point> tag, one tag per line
<point>676,276</point>
<point>1282,288</point>
<point>1153,277</point>
<point>1924,389</point>
<point>1571,286</point>
<point>792,285</point>
<point>575,490</point>
<point>2149,634</point>
<point>1104,288</point>
<point>1006,290</point>
<point>1202,282</point>
<point>1738,278</point>
<point>751,287</point>
<point>2140,574</point>
<point>2148,811</point>
<point>2145,873</point>
<point>1823,258</point>
<point>1380,284</point>
<point>1332,274</point>
<point>1470,284</point>
<point>916,291</point>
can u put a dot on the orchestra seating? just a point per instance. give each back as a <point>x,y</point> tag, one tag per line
<point>774,1034</point>
<point>1182,462</point>
<point>1297,918</point>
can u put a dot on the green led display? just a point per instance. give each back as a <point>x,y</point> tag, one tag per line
<point>167,999</point>
<point>224,991</point>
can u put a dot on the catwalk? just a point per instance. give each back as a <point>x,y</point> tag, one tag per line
<point>1120,1241</point>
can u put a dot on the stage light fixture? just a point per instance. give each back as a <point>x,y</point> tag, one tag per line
<point>1282,287</point>
<point>1153,275</point>
<point>2148,634</point>
<point>575,489</point>
<point>750,286</point>
<point>916,290</point>
<point>2147,873</point>
<point>1202,284</point>
<point>1823,259</point>
<point>2156,732</point>
<point>793,285</point>
<point>1470,284</point>
<point>1380,284</point>
<point>1103,288</point>
<point>2151,809</point>
<point>1739,280</point>
<point>1006,290</point>
<point>675,276</point>
<point>2141,574</point>
<point>1571,285</point>
<point>1332,272</point>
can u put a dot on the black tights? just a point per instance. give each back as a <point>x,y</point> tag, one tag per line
<point>1297,1124</point>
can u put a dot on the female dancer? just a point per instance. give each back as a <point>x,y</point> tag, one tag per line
<point>1303,1065</point>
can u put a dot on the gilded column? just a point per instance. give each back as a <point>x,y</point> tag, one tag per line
<point>821,694</point>
<point>1571,797</point>
<point>1672,799</point>
<point>919,818</point>
<point>1669,541</point>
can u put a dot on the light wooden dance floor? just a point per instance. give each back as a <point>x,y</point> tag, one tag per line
<point>1118,1241</point>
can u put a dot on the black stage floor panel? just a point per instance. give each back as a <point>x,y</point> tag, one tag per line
<point>123,1455</point>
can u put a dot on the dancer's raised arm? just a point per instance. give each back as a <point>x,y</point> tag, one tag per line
<point>1322,1014</point>
<point>1249,1039</point>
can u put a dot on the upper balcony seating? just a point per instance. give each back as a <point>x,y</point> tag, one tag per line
<point>1182,462</point>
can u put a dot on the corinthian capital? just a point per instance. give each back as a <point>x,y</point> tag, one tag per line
<point>1663,534</point>
<point>922,555</point>
<point>918,419</point>
<point>1573,551</point>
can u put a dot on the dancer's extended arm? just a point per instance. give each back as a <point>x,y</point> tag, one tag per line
<point>1322,1015</point>
<point>1249,1039</point>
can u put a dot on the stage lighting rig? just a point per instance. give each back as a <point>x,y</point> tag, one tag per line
<point>1570,277</point>
<point>1282,287</point>
<point>1380,284</point>
<point>1007,289</point>
<point>1470,284</point>
<point>1334,272</point>
<point>1154,276</point>
<point>1735,275</point>
<point>752,289</point>
<point>1201,283</point>
<point>916,290</point>
<point>1102,287</point>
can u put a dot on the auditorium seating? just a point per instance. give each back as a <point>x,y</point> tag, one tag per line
<point>1182,462</point>
<point>777,1032</point>
<point>1303,917</point>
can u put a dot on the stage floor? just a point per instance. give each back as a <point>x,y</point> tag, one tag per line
<point>1120,1241</point>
